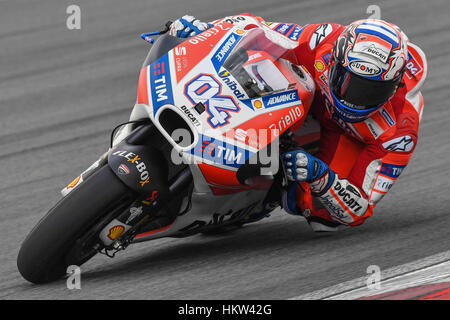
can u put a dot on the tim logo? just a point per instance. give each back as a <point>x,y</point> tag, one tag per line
<point>208,147</point>
<point>220,152</point>
<point>206,89</point>
<point>160,83</point>
<point>391,170</point>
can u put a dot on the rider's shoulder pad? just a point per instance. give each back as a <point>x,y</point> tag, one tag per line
<point>416,70</point>
<point>316,34</point>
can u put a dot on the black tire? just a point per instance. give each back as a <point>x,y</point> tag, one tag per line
<point>42,256</point>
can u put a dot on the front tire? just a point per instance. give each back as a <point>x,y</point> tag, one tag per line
<point>42,256</point>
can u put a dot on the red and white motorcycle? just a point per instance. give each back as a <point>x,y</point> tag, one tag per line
<point>199,154</point>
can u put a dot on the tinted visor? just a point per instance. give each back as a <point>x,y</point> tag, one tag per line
<point>358,92</point>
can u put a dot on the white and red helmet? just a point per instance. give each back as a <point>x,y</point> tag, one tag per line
<point>369,61</point>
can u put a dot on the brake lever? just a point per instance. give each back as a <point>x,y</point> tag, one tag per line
<point>147,36</point>
<point>284,179</point>
<point>287,143</point>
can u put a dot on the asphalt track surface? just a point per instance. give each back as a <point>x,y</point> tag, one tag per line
<point>62,91</point>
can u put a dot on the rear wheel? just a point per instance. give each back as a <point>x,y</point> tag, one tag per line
<point>44,255</point>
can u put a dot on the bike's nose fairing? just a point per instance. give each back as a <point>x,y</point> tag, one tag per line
<point>233,90</point>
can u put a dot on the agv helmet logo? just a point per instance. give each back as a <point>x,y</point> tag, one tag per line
<point>364,68</point>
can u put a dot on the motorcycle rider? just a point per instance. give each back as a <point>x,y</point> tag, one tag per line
<point>368,104</point>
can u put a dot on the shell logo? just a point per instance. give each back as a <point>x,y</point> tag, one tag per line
<point>319,65</point>
<point>115,232</point>
<point>257,104</point>
<point>240,32</point>
<point>73,183</point>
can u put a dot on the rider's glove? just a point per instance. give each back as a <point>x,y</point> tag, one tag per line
<point>289,199</point>
<point>302,167</point>
<point>188,26</point>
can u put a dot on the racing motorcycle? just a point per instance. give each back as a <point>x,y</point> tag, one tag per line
<point>199,153</point>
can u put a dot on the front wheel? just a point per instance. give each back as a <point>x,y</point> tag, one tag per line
<point>43,256</point>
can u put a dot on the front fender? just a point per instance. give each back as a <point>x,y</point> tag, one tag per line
<point>142,168</point>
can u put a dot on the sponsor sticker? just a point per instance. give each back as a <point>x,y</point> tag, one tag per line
<point>160,83</point>
<point>327,58</point>
<point>364,68</point>
<point>387,117</point>
<point>280,99</point>
<point>123,169</point>
<point>284,28</point>
<point>224,50</point>
<point>149,200</point>
<point>115,232</point>
<point>257,104</point>
<point>374,128</point>
<point>334,207</point>
<point>254,56</point>
<point>319,65</point>
<point>348,196</point>
<point>235,19</point>
<point>275,100</point>
<point>324,80</point>
<point>191,116</point>
<point>180,51</point>
<point>287,119</point>
<point>137,162</point>
<point>74,183</point>
<point>383,184</point>
<point>134,212</point>
<point>391,170</point>
<point>321,33</point>
<point>413,68</point>
<point>226,77</point>
<point>400,144</point>
<point>373,45</point>
<point>211,32</point>
<point>220,152</point>
<point>295,34</point>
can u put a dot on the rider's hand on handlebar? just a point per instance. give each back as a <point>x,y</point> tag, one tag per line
<point>301,166</point>
<point>188,26</point>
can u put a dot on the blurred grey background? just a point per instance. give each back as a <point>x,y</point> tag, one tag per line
<point>62,91</point>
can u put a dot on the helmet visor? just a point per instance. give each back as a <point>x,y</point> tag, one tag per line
<point>358,92</point>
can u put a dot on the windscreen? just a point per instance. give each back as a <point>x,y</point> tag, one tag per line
<point>256,63</point>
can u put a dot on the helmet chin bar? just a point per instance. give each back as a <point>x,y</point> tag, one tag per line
<point>351,105</point>
<point>350,114</point>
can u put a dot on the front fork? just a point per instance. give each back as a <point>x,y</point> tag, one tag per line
<point>119,233</point>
